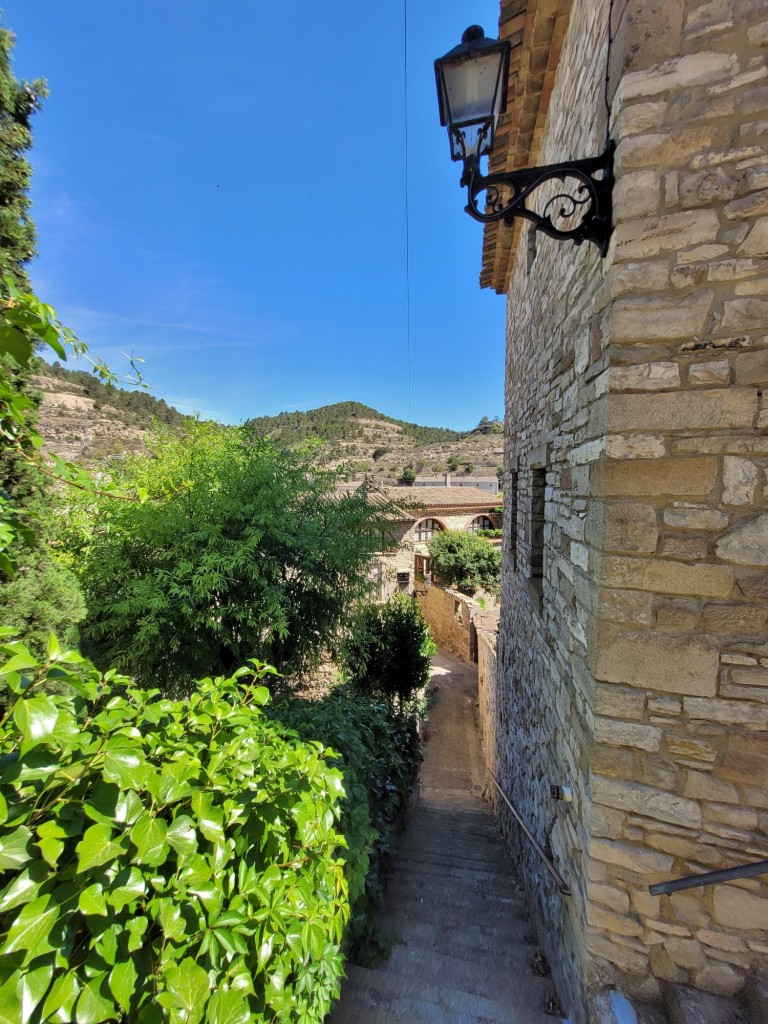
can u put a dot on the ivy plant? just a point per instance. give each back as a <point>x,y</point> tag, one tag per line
<point>162,860</point>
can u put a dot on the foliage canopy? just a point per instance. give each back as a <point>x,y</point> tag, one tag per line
<point>388,649</point>
<point>163,860</point>
<point>253,552</point>
<point>466,561</point>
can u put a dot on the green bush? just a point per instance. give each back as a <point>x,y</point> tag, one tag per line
<point>388,650</point>
<point>163,861</point>
<point>407,477</point>
<point>379,754</point>
<point>466,561</point>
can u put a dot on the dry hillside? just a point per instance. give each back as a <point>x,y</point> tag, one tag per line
<point>83,422</point>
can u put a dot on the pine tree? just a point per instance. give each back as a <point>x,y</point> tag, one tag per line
<point>18,102</point>
<point>43,595</point>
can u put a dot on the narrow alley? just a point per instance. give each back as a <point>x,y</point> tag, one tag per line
<point>463,948</point>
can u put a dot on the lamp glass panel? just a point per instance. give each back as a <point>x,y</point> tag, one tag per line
<point>471,88</point>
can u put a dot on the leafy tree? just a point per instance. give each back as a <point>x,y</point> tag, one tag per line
<point>378,453</point>
<point>388,649</point>
<point>252,553</point>
<point>408,476</point>
<point>469,469</point>
<point>18,102</point>
<point>465,561</point>
<point>453,463</point>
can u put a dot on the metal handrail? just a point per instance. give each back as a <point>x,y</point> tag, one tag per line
<point>758,867</point>
<point>562,885</point>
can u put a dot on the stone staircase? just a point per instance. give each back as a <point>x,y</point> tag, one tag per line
<point>463,952</point>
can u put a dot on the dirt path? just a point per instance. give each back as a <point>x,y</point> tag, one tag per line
<point>463,952</point>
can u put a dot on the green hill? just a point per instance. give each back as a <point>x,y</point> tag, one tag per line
<point>344,421</point>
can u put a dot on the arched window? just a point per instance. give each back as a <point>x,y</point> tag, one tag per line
<point>480,523</point>
<point>426,528</point>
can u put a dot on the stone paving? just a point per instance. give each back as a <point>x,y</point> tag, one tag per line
<point>464,950</point>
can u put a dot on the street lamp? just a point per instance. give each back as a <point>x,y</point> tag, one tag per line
<point>472,95</point>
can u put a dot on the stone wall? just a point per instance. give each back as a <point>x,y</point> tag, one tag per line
<point>636,669</point>
<point>453,620</point>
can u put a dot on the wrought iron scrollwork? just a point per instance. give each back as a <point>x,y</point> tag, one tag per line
<point>579,213</point>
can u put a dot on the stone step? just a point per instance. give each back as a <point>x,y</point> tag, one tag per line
<point>474,938</point>
<point>410,998</point>
<point>690,1006</point>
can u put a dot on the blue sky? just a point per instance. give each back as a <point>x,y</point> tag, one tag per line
<point>221,190</point>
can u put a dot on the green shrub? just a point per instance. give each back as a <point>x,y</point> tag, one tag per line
<point>388,650</point>
<point>163,860</point>
<point>379,754</point>
<point>466,561</point>
<point>407,477</point>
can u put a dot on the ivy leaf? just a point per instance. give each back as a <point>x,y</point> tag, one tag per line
<point>31,930</point>
<point>148,836</point>
<point>122,982</point>
<point>14,847</point>
<point>136,928</point>
<point>36,719</point>
<point>61,999</point>
<point>10,1003</point>
<point>97,847</point>
<point>23,888</point>
<point>124,765</point>
<point>92,900</point>
<point>188,988</point>
<point>129,886</point>
<point>182,835</point>
<point>32,987</point>
<point>228,1007</point>
<point>93,1007</point>
<point>15,344</point>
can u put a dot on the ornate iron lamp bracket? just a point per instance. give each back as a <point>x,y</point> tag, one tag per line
<point>579,212</point>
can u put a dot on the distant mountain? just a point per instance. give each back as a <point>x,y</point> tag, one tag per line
<point>344,421</point>
<point>84,421</point>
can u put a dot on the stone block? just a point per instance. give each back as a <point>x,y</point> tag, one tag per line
<point>656,662</point>
<point>703,786</point>
<point>633,961</point>
<point>628,607</point>
<point>739,481</point>
<point>689,907</point>
<point>687,477</point>
<point>639,117</point>
<point>627,734</point>
<point>652,236</point>
<point>728,712</point>
<point>746,543</point>
<point>637,194</point>
<point>695,519</point>
<point>717,409</point>
<point>677,614</point>
<point>701,374</point>
<point>738,909</point>
<point>618,924</point>
<point>702,68</point>
<point>634,446</point>
<point>745,314</point>
<point>618,702</point>
<point>737,817</point>
<point>751,676</point>
<point>746,759</point>
<point>630,527</point>
<point>661,376</point>
<point>734,618</point>
<point>646,801</point>
<point>613,761</point>
<point>666,150</point>
<point>752,367</point>
<point>663,577</point>
<point>645,276</point>
<point>685,952</point>
<point>644,319</point>
<point>631,856</point>
<point>691,748</point>
<point>685,547</point>
<point>609,896</point>
<point>756,242</point>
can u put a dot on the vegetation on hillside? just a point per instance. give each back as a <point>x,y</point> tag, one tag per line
<point>136,406</point>
<point>339,422</point>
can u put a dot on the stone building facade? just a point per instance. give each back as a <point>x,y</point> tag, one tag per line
<point>633,651</point>
<point>423,511</point>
